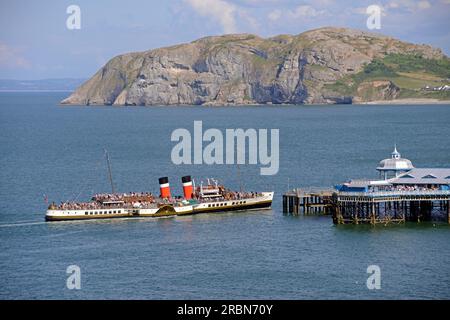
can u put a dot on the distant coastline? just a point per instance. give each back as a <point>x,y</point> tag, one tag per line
<point>408,101</point>
<point>28,90</point>
<point>329,65</point>
<point>42,85</point>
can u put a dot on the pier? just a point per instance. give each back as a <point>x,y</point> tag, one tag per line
<point>382,207</point>
<point>391,206</point>
<point>402,193</point>
<point>308,201</point>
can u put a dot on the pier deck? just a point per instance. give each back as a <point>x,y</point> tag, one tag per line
<point>370,207</point>
<point>308,201</point>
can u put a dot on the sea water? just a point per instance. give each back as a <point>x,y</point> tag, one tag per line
<point>57,153</point>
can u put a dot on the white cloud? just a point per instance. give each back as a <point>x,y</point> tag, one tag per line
<point>410,5</point>
<point>249,19</point>
<point>393,5</point>
<point>363,10</point>
<point>274,15</point>
<point>220,10</point>
<point>303,11</point>
<point>11,57</point>
<point>423,5</point>
<point>259,2</point>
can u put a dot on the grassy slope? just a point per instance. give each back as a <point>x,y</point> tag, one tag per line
<point>409,72</point>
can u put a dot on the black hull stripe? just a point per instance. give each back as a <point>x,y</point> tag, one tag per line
<point>88,217</point>
<point>260,205</point>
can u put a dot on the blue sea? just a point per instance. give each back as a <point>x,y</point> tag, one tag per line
<point>55,152</point>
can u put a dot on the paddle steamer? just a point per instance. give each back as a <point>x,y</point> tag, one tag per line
<point>211,197</point>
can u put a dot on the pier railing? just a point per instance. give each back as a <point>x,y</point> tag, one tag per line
<point>309,191</point>
<point>375,194</point>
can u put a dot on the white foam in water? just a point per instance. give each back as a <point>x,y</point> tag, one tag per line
<point>21,224</point>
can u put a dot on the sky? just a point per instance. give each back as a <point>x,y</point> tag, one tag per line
<point>35,42</point>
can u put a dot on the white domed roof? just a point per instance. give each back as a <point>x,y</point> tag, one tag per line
<point>395,163</point>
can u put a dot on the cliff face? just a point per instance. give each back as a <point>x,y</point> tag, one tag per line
<point>247,69</point>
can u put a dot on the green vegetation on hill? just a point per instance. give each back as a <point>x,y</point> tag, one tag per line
<point>411,73</point>
<point>414,63</point>
<point>377,68</point>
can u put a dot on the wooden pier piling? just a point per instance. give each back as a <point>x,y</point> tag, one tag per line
<point>382,207</point>
<point>307,201</point>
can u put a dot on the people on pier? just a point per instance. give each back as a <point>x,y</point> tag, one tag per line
<point>403,188</point>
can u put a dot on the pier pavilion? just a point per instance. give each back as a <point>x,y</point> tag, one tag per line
<point>394,166</point>
<point>404,193</point>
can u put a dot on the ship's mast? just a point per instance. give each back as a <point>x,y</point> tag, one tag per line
<point>109,172</point>
<point>241,188</point>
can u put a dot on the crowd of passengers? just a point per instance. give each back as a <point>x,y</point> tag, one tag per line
<point>121,196</point>
<point>147,200</point>
<point>97,204</point>
<point>406,188</point>
<point>232,195</point>
<point>81,206</point>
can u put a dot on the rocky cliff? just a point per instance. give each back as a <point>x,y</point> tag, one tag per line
<point>326,65</point>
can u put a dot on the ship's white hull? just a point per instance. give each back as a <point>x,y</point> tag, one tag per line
<point>54,215</point>
<point>261,202</point>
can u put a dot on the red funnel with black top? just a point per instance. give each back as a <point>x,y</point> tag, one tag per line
<point>187,187</point>
<point>164,187</point>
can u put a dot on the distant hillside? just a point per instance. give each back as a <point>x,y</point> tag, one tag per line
<point>404,75</point>
<point>40,85</point>
<point>327,65</point>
